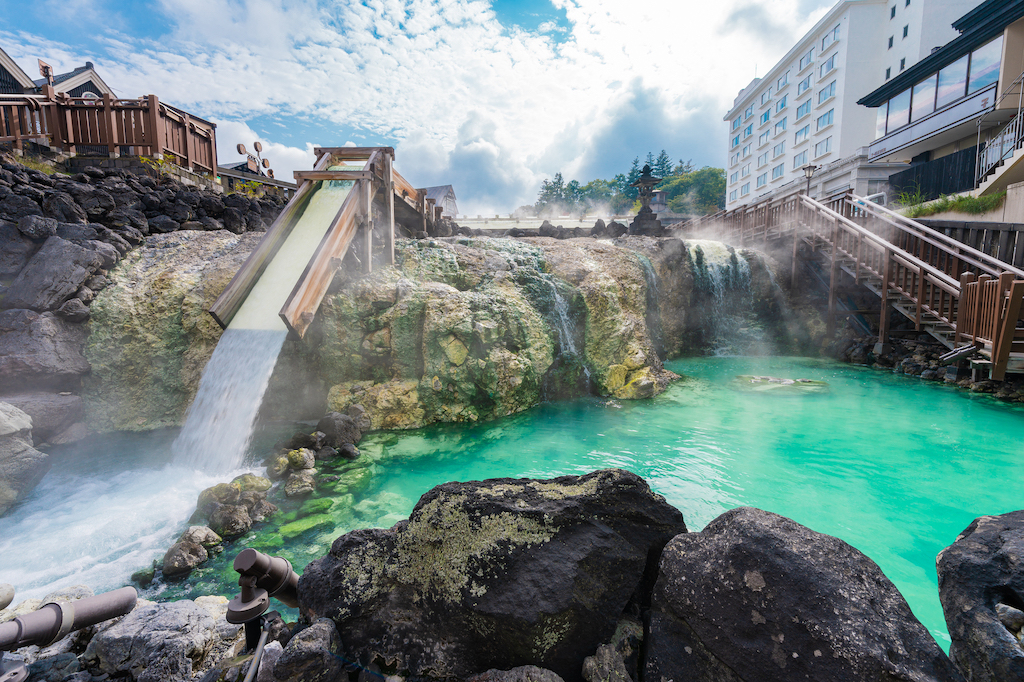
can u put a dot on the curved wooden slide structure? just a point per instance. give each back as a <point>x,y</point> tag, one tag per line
<point>351,192</point>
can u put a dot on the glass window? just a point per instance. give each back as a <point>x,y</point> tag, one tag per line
<point>779,150</point>
<point>762,139</point>
<point>778,171</point>
<point>806,59</point>
<point>890,42</point>
<point>765,116</point>
<point>880,120</point>
<point>745,189</point>
<point>823,147</point>
<point>736,123</point>
<point>781,104</point>
<point>732,195</point>
<point>802,134</point>
<point>827,92</point>
<point>906,29</point>
<point>782,82</point>
<point>734,159</point>
<point>734,177</point>
<point>745,171</point>
<point>736,141</point>
<point>952,83</point>
<point>803,109</point>
<point>829,64</point>
<point>888,72</point>
<point>830,37</point>
<point>762,180</point>
<point>748,112</point>
<point>780,126</point>
<point>825,119</point>
<point>924,98</point>
<point>748,131</point>
<point>899,111</point>
<point>762,160</point>
<point>800,160</point>
<point>803,85</point>
<point>766,95</point>
<point>892,12</point>
<point>746,150</point>
<point>985,65</point>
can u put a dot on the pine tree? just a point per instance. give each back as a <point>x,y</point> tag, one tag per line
<point>662,166</point>
<point>631,177</point>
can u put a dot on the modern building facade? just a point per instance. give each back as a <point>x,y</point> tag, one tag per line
<point>934,114</point>
<point>804,111</point>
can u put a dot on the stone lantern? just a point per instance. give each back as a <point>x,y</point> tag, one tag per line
<point>646,222</point>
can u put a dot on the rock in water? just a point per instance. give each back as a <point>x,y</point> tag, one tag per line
<point>21,465</point>
<point>494,574</point>
<point>756,597</point>
<point>981,580</point>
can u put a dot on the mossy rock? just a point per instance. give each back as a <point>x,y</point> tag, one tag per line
<point>749,383</point>
<point>268,541</point>
<point>321,505</point>
<point>248,482</point>
<point>222,493</point>
<point>354,481</point>
<point>296,528</point>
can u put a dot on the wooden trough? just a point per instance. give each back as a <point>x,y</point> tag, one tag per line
<point>377,190</point>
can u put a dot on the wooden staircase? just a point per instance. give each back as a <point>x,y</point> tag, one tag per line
<point>949,290</point>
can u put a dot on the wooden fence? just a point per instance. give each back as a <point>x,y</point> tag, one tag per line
<point>109,126</point>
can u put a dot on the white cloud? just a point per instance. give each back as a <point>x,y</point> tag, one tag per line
<point>489,108</point>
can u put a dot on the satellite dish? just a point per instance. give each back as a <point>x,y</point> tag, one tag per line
<point>266,163</point>
<point>240,148</point>
<point>270,172</point>
<point>257,146</point>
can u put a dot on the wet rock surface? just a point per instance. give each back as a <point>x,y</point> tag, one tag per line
<point>311,655</point>
<point>21,465</point>
<point>494,574</point>
<point>981,580</point>
<point>756,596</point>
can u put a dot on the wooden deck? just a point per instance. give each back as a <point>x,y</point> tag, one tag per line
<point>951,290</point>
<point>378,190</point>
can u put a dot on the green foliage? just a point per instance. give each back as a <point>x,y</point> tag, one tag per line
<point>161,166</point>
<point>662,166</point>
<point>37,164</point>
<point>696,192</point>
<point>910,197</point>
<point>249,188</point>
<point>962,204</point>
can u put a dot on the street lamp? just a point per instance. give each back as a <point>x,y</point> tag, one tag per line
<point>808,173</point>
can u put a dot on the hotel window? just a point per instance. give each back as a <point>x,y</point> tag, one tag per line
<point>764,117</point>
<point>745,171</point>
<point>802,134</point>
<point>923,99</point>
<point>746,150</point>
<point>906,29</point>
<point>736,123</point>
<point>899,111</point>
<point>778,171</point>
<point>779,150</point>
<point>888,72</point>
<point>803,85</point>
<point>890,42</point>
<point>780,127</point>
<point>762,160</point>
<point>803,109</point>
<point>735,142</point>
<point>827,92</point>
<point>748,112</point>
<point>952,83</point>
<point>825,119</point>
<point>823,147</point>
<point>892,12</point>
<point>830,37</point>
<point>734,177</point>
<point>800,160</point>
<point>766,96</point>
<point>763,139</point>
<point>748,131</point>
<point>806,59</point>
<point>880,120</point>
<point>732,195</point>
<point>762,180</point>
<point>734,159</point>
<point>829,65</point>
<point>903,63</point>
<point>985,65</point>
<point>781,104</point>
<point>782,82</point>
<point>745,189</point>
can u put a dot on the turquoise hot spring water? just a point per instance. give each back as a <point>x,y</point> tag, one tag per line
<point>895,466</point>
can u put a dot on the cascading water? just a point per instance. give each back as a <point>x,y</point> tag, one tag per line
<point>722,285</point>
<point>653,314</point>
<point>220,421</point>
<point>566,340</point>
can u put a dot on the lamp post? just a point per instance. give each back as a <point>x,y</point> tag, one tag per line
<point>808,173</point>
<point>645,222</point>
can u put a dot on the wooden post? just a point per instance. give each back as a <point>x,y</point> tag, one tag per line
<point>920,298</point>
<point>833,280</point>
<point>154,133</point>
<point>190,154</point>
<point>368,204</point>
<point>962,314</point>
<point>1007,330</point>
<point>389,182</point>
<point>883,316</point>
<point>107,127</point>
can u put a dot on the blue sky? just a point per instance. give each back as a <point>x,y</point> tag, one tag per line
<point>490,96</point>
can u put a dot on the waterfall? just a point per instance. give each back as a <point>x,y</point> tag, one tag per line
<point>722,288</point>
<point>566,338</point>
<point>653,312</point>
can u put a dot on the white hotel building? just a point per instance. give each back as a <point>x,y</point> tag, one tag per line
<point>804,111</point>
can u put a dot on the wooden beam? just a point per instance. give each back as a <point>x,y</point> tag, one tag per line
<point>389,181</point>
<point>332,175</point>
<point>352,152</point>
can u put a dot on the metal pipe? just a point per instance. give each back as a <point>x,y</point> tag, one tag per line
<point>56,620</point>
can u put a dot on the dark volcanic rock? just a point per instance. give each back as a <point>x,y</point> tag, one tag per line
<point>981,585</point>
<point>524,673</point>
<point>162,223</point>
<point>338,429</point>
<point>37,227</point>
<point>40,352</point>
<point>74,310</point>
<point>311,655</point>
<point>15,249</point>
<point>230,520</point>
<point>52,275</point>
<point>758,597</point>
<point>495,574</point>
<point>16,207</point>
<point>62,207</point>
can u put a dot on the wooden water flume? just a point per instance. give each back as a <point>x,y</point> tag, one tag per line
<point>362,229</point>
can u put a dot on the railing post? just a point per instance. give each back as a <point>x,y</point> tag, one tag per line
<point>389,182</point>
<point>1003,345</point>
<point>833,280</point>
<point>368,203</point>
<point>155,129</point>
<point>883,316</point>
<point>190,155</point>
<point>962,308</point>
<point>109,128</point>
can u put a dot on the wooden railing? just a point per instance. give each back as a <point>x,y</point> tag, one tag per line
<point>957,291</point>
<point>77,125</point>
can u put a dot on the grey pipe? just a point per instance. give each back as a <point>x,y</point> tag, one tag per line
<point>54,621</point>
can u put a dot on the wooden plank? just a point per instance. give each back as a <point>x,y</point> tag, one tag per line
<point>1005,252</point>
<point>332,175</point>
<point>389,179</point>
<point>351,152</point>
<point>883,319</point>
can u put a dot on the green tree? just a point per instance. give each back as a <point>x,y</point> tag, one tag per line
<point>697,192</point>
<point>662,166</point>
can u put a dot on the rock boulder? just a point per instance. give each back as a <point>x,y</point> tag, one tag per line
<point>52,275</point>
<point>39,352</point>
<point>494,574</point>
<point>21,465</point>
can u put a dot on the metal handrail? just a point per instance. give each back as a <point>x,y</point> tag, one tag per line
<point>983,156</point>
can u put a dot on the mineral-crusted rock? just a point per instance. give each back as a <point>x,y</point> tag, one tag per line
<point>311,655</point>
<point>182,557</point>
<point>758,597</point>
<point>21,465</point>
<point>301,482</point>
<point>155,642</point>
<point>201,535</point>
<point>523,673</point>
<point>981,577</point>
<point>230,520</point>
<point>494,574</point>
<point>52,276</point>
<point>606,665</point>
